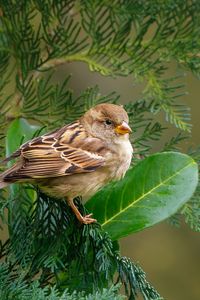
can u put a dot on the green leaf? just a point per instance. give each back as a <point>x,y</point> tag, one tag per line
<point>150,192</point>
<point>19,132</point>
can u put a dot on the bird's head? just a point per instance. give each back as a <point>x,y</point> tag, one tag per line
<point>107,121</point>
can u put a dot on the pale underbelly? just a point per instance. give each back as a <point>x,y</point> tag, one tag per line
<point>71,186</point>
<point>85,184</point>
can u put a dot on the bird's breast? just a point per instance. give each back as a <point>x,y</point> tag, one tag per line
<point>121,159</point>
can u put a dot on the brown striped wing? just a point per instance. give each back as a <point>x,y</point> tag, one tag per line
<point>57,154</point>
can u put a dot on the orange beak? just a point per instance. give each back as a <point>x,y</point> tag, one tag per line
<point>123,128</point>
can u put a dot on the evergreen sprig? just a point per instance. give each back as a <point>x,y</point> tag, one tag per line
<point>191,210</point>
<point>122,38</point>
<point>18,289</point>
<point>47,242</point>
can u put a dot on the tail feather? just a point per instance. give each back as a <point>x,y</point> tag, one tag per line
<point>7,177</point>
<point>3,183</point>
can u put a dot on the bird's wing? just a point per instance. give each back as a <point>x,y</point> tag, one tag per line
<point>63,152</point>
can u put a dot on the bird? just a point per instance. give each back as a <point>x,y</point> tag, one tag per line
<point>77,159</point>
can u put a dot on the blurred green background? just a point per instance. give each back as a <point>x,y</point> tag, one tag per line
<point>170,256</point>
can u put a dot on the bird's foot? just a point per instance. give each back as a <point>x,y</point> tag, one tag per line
<point>84,220</point>
<point>88,220</point>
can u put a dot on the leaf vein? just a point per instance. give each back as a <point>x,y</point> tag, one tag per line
<point>145,194</point>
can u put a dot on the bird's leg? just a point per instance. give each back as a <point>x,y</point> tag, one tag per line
<point>86,219</point>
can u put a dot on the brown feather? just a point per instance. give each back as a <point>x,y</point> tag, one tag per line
<point>55,154</point>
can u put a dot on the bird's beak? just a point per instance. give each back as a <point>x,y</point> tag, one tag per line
<point>123,128</point>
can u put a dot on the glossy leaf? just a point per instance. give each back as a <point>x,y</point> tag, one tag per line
<point>19,132</point>
<point>150,192</point>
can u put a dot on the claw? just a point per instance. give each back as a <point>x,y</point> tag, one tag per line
<point>84,220</point>
<point>87,220</point>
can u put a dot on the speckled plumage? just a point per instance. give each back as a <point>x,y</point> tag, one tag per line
<point>77,159</point>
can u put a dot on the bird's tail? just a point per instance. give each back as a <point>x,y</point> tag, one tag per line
<point>7,177</point>
<point>2,182</point>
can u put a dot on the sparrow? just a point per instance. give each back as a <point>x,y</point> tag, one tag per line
<point>77,159</point>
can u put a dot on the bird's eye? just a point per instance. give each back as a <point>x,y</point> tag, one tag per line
<point>108,122</point>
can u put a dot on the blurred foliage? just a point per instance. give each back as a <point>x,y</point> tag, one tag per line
<point>118,38</point>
